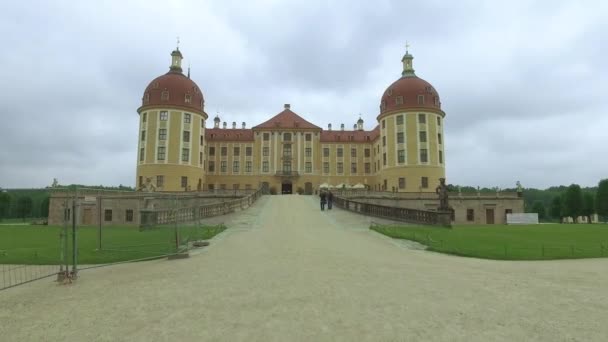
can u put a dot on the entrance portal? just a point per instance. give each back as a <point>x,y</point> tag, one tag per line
<point>286,188</point>
<point>489,216</point>
<point>308,188</point>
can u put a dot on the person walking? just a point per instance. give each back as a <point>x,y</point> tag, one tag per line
<point>323,200</point>
<point>330,200</point>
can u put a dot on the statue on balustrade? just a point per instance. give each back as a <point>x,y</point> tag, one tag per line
<point>442,191</point>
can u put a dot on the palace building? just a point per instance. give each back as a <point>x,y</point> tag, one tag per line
<point>404,152</point>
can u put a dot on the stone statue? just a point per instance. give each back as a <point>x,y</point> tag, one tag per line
<point>442,191</point>
<point>55,183</point>
<point>149,187</point>
<point>519,187</point>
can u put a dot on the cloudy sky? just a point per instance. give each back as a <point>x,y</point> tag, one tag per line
<point>523,83</point>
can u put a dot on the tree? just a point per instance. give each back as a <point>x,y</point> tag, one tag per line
<point>24,207</point>
<point>588,205</point>
<point>556,208</point>
<point>44,207</point>
<point>5,203</point>
<point>573,202</point>
<point>539,207</point>
<point>601,198</point>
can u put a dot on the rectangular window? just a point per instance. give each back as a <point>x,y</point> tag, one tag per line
<point>266,136</point>
<point>384,158</point>
<point>184,182</point>
<point>401,156</point>
<point>235,166</point>
<point>353,152</point>
<point>470,215</point>
<point>340,152</point>
<point>421,118</point>
<point>367,153</point>
<point>440,157</point>
<point>143,135</point>
<point>144,117</point>
<point>367,168</point>
<point>248,151</point>
<point>222,186</point>
<point>236,151</point>
<point>235,186</point>
<point>129,215</point>
<point>340,167</point>
<point>383,141</point>
<point>211,166</point>
<point>308,137</point>
<point>424,157</point>
<point>185,154</point>
<point>141,154</point>
<point>162,134</point>
<point>160,181</point>
<point>247,186</point>
<point>399,119</point>
<point>422,135</point>
<point>161,153</point>
<point>325,167</point>
<point>308,167</point>
<point>264,166</point>
<point>248,166</point>
<point>439,138</point>
<point>223,166</point>
<point>420,99</point>
<point>211,151</point>
<point>186,136</point>
<point>265,151</point>
<point>107,215</point>
<point>211,187</point>
<point>164,115</point>
<point>424,182</point>
<point>187,118</point>
<point>383,123</point>
<point>438,121</point>
<point>353,168</point>
<point>401,182</point>
<point>201,140</point>
<point>287,137</point>
<point>224,151</point>
<point>141,180</point>
<point>308,151</point>
<point>400,139</point>
<point>325,151</point>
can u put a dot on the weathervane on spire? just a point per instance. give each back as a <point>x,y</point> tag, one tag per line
<point>407,46</point>
<point>178,43</point>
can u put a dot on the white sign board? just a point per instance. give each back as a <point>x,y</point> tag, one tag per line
<point>521,218</point>
<point>90,199</point>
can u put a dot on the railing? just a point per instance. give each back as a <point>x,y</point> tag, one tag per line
<point>393,213</point>
<point>285,173</point>
<point>354,193</point>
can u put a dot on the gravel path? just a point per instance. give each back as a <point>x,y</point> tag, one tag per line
<point>285,271</point>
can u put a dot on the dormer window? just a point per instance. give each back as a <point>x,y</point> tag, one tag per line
<point>420,99</point>
<point>436,100</point>
<point>399,100</point>
<point>164,95</point>
<point>146,97</point>
<point>389,92</point>
<point>188,98</point>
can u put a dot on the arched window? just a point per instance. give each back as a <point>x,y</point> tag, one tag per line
<point>188,98</point>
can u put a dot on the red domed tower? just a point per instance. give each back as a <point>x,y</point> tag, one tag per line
<point>171,132</point>
<point>411,145</point>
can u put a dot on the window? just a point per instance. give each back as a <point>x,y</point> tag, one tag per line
<point>188,98</point>
<point>185,154</point>
<point>399,100</point>
<point>438,121</point>
<point>401,156</point>
<point>187,117</point>
<point>325,151</point>
<point>401,182</point>
<point>353,152</point>
<point>235,186</point>
<point>422,135</point>
<point>266,136</point>
<point>248,166</point>
<point>367,168</point>
<point>129,215</point>
<point>440,157</point>
<point>384,141</point>
<point>211,151</point>
<point>470,215</point>
<point>420,99</point>
<point>308,137</point>
<point>222,186</point>
<point>211,187</point>
<point>141,154</point>
<point>384,158</point>
<point>287,137</point>
<point>202,123</point>
<point>147,98</point>
<point>164,96</point>
<point>424,157</point>
<point>164,115</point>
<point>107,215</point>
<point>308,167</point>
<point>340,152</point>
<point>201,140</point>
<point>287,151</point>
<point>223,166</point>
<point>160,181</point>
<point>353,168</point>
<point>308,151</point>
<point>144,117</point>
<point>265,151</point>
<point>264,166</point>
<point>424,182</point>
<point>141,180</point>
<point>421,118</point>
<point>161,153</point>
<point>325,167</point>
<point>340,167</point>
<point>236,151</point>
<point>184,182</point>
<point>143,135</point>
<point>383,123</point>
<point>211,166</point>
<point>400,139</point>
<point>186,136</point>
<point>248,151</point>
<point>224,151</point>
<point>162,134</point>
<point>235,166</point>
<point>399,119</point>
<point>439,138</point>
<point>247,186</point>
<point>367,152</point>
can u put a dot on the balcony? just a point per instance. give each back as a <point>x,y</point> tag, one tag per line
<point>287,174</point>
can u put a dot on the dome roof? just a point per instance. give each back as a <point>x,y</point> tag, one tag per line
<point>174,89</point>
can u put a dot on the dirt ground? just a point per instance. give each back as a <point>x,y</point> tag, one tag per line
<point>285,271</point>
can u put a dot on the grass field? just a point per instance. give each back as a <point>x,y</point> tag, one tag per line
<point>531,242</point>
<point>41,244</point>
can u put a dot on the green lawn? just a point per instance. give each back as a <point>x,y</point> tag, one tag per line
<point>41,244</point>
<point>530,242</point>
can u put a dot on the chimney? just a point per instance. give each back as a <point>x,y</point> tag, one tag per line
<point>225,125</point>
<point>342,127</point>
<point>243,124</point>
<point>287,106</point>
<point>233,124</point>
<point>329,127</point>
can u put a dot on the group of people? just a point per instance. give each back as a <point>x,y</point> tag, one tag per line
<point>326,197</point>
